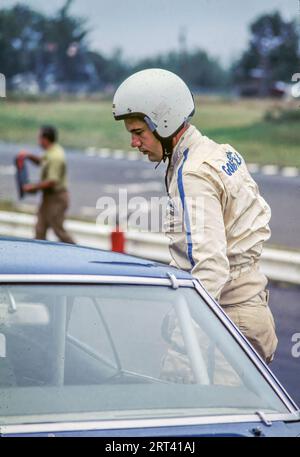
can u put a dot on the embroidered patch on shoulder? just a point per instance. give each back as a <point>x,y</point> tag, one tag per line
<point>233,163</point>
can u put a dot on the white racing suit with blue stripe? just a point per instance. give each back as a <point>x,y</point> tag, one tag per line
<point>217,223</point>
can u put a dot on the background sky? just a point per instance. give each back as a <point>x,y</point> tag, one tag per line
<point>148,27</point>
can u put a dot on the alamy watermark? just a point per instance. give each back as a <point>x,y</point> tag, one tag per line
<point>296,347</point>
<point>2,85</point>
<point>176,215</point>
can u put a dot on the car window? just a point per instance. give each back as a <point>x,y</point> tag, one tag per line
<point>86,328</point>
<point>75,352</point>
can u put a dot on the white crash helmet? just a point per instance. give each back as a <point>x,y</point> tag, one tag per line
<point>160,97</point>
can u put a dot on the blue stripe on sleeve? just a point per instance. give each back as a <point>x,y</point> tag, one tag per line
<point>185,211</point>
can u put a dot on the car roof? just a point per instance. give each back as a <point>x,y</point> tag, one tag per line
<point>24,256</point>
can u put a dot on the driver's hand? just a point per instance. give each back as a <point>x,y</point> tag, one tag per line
<point>22,154</point>
<point>30,188</point>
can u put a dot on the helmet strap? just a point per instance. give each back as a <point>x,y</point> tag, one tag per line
<point>167,145</point>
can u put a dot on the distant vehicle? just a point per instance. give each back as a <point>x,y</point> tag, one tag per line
<point>84,339</point>
<point>252,88</point>
<point>278,89</point>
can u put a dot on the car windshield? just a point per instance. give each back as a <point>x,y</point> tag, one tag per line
<point>97,352</point>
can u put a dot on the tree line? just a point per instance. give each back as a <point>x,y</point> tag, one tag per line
<point>54,50</point>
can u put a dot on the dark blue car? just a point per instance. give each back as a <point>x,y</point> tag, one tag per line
<point>95,343</point>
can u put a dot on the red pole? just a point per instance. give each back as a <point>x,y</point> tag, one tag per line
<point>117,240</point>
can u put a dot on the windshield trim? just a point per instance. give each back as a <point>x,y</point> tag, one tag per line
<point>140,423</point>
<point>91,279</point>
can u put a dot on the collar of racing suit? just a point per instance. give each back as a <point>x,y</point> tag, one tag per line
<point>184,143</point>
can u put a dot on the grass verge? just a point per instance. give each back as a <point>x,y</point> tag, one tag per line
<point>245,124</point>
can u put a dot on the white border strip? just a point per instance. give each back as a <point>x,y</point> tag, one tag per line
<point>143,423</point>
<point>91,279</point>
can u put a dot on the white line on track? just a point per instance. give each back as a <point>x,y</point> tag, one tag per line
<point>270,170</point>
<point>118,154</point>
<point>290,171</point>
<point>253,167</point>
<point>133,155</point>
<point>134,188</point>
<point>7,170</point>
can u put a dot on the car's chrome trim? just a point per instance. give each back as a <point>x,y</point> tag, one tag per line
<point>137,423</point>
<point>174,280</point>
<point>254,356</point>
<point>91,279</point>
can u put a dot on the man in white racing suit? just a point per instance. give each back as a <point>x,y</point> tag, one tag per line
<point>216,220</point>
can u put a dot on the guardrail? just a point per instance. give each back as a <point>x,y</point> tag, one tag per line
<point>278,265</point>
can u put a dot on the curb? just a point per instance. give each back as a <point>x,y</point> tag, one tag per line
<point>254,168</point>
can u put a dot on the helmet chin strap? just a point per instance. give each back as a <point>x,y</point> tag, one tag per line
<point>167,143</point>
<point>167,147</point>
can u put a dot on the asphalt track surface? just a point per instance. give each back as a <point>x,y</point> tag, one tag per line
<point>92,177</point>
<point>285,305</point>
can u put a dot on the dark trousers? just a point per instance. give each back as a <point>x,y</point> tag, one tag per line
<point>51,213</point>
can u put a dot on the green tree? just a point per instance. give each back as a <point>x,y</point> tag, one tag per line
<point>273,49</point>
<point>67,36</point>
<point>21,30</point>
<point>31,42</point>
<point>195,67</point>
<point>56,49</point>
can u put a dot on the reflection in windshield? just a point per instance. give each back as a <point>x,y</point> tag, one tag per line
<point>102,351</point>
